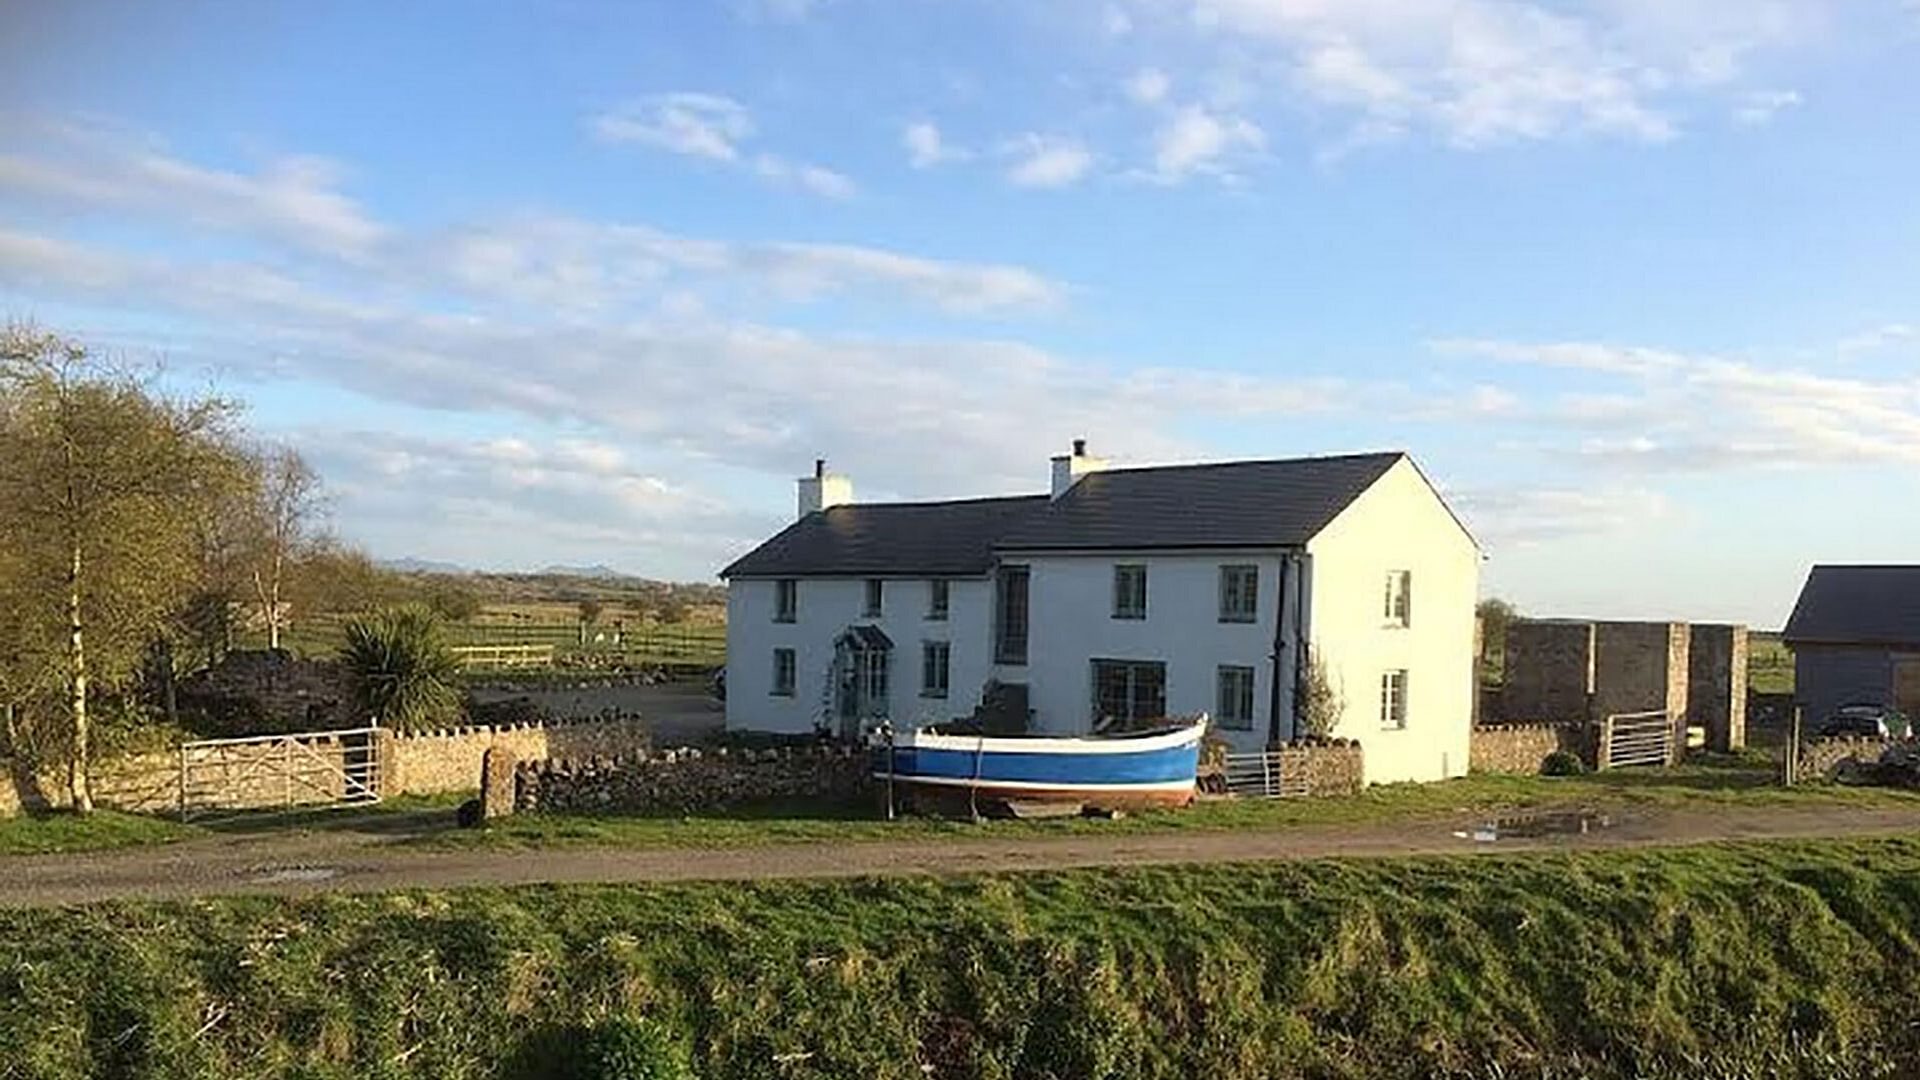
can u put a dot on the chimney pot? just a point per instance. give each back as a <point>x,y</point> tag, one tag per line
<point>819,467</point>
<point>1079,448</point>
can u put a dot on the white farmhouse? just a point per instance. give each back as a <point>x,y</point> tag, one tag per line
<point>1123,593</point>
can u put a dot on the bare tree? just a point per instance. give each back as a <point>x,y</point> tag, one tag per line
<point>287,510</point>
<point>100,469</point>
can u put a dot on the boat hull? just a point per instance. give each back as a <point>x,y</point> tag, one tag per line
<point>1155,770</point>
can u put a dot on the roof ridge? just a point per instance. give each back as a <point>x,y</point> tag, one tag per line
<point>1302,460</point>
<point>935,502</point>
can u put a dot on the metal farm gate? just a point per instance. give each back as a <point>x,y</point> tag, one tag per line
<point>1260,776</point>
<point>1642,738</point>
<point>308,770</point>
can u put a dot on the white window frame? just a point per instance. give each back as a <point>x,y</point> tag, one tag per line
<point>1124,600</point>
<point>1228,706</point>
<point>874,601</point>
<point>1239,593</point>
<point>1393,700</point>
<point>939,599</point>
<point>936,658</point>
<point>1398,608</point>
<point>786,600</point>
<point>786,672</point>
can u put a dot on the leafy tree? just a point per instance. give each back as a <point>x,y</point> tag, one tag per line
<point>1495,616</point>
<point>287,504</point>
<point>402,672</point>
<point>98,498</point>
<point>1321,702</point>
<point>449,599</point>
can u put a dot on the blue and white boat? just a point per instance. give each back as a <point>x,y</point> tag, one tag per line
<point>1148,768</point>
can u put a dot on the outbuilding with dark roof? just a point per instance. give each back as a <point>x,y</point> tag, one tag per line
<point>1855,636</point>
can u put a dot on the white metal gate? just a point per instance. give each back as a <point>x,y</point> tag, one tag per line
<point>1260,776</point>
<point>308,770</point>
<point>1643,738</point>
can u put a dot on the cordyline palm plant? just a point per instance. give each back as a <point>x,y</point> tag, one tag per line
<point>402,671</point>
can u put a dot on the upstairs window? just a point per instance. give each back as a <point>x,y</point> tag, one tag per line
<point>1130,591</point>
<point>1399,598</point>
<point>937,598</point>
<point>1235,712</point>
<point>1393,700</point>
<point>1010,615</point>
<point>876,593</point>
<point>934,657</point>
<point>786,600</point>
<point>1239,593</point>
<point>783,673</point>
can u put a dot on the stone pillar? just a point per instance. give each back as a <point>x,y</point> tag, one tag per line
<point>1717,684</point>
<point>496,783</point>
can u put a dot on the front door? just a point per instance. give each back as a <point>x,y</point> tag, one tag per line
<point>861,690</point>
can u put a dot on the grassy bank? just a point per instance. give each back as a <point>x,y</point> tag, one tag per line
<point>1730,785</point>
<point>1735,961</point>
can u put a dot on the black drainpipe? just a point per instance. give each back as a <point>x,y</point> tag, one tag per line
<point>1279,649</point>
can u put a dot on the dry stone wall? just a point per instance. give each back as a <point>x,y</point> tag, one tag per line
<point>1330,766</point>
<point>690,780</point>
<point>1520,748</point>
<point>1825,759</point>
<point>1549,671</point>
<point>431,762</point>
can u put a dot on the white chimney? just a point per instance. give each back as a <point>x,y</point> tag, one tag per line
<point>823,490</point>
<point>1069,468</point>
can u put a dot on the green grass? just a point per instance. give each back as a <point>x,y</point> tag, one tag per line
<point>1736,783</point>
<point>1769,664</point>
<point>57,831</point>
<point>1792,960</point>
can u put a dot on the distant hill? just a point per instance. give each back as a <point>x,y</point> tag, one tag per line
<point>411,565</point>
<point>598,571</point>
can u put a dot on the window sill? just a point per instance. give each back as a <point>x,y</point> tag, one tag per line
<point>788,621</point>
<point>933,696</point>
<point>788,694</point>
<point>936,618</point>
<point>1238,620</point>
<point>1391,727</point>
<point>1142,617</point>
<point>1396,626</point>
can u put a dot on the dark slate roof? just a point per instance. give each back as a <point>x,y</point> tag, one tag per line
<point>1232,504</point>
<point>929,539</point>
<point>1858,605</point>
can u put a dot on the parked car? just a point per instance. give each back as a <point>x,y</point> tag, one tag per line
<point>1868,720</point>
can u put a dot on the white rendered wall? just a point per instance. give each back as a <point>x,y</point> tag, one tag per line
<point>827,606</point>
<point>1399,524</point>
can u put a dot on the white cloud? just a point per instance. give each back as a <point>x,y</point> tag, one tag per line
<point>810,178</point>
<point>1679,412</point>
<point>294,198</point>
<point>1115,21</point>
<point>715,128</point>
<point>698,125</point>
<point>1193,140</point>
<point>1761,106</point>
<point>1524,517</point>
<point>1148,86</point>
<point>926,147</point>
<point>1044,161</point>
<point>1879,337</point>
<point>1483,72</point>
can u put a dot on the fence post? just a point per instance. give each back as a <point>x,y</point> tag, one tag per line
<point>1603,743</point>
<point>183,781</point>
<point>1791,759</point>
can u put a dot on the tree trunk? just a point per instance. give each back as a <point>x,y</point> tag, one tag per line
<point>169,697</point>
<point>78,788</point>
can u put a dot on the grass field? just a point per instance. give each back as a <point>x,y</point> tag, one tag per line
<point>699,643</point>
<point>1730,784</point>
<point>1769,664</point>
<point>1787,960</point>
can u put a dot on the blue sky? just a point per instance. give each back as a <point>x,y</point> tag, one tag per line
<point>582,282</point>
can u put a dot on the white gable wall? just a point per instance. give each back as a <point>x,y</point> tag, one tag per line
<point>1072,624</point>
<point>828,606</point>
<point>1399,524</point>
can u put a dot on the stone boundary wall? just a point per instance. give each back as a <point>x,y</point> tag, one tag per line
<point>1520,748</point>
<point>432,762</point>
<point>413,763</point>
<point>1331,767</point>
<point>1821,759</point>
<point>690,779</point>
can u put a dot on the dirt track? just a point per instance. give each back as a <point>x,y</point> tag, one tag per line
<point>301,863</point>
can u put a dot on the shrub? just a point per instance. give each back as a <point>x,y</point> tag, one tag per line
<point>402,673</point>
<point>633,1048</point>
<point>1562,763</point>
